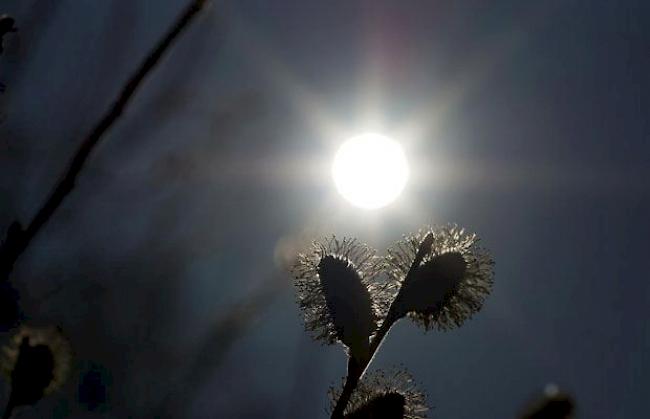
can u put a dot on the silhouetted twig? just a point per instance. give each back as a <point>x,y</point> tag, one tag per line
<point>355,368</point>
<point>17,238</point>
<point>438,277</point>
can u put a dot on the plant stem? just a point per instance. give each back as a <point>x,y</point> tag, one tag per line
<point>15,244</point>
<point>9,409</point>
<point>356,370</point>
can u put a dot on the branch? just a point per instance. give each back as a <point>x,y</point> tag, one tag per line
<point>18,239</point>
<point>356,371</point>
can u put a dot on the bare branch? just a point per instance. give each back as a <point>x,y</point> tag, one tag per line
<point>18,238</point>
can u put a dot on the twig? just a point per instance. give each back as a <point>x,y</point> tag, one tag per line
<point>18,239</point>
<point>356,370</point>
<point>9,409</point>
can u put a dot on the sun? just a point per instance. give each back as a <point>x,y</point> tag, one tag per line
<point>370,170</point>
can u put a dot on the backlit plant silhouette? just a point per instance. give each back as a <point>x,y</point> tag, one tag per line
<point>553,404</point>
<point>438,277</point>
<point>35,362</point>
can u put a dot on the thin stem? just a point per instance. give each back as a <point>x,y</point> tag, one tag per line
<point>9,409</point>
<point>356,371</point>
<point>17,239</point>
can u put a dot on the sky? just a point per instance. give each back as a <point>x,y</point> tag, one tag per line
<point>525,122</point>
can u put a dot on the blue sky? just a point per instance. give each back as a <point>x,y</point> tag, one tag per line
<point>526,123</point>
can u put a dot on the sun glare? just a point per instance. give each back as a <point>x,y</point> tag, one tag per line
<point>370,170</point>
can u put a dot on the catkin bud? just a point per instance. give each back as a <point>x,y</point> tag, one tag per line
<point>443,277</point>
<point>6,25</point>
<point>336,291</point>
<point>554,404</point>
<point>388,395</point>
<point>36,362</point>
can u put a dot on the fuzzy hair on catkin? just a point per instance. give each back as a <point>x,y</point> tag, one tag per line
<point>474,284</point>
<point>393,386</point>
<point>337,283</point>
<point>49,337</point>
